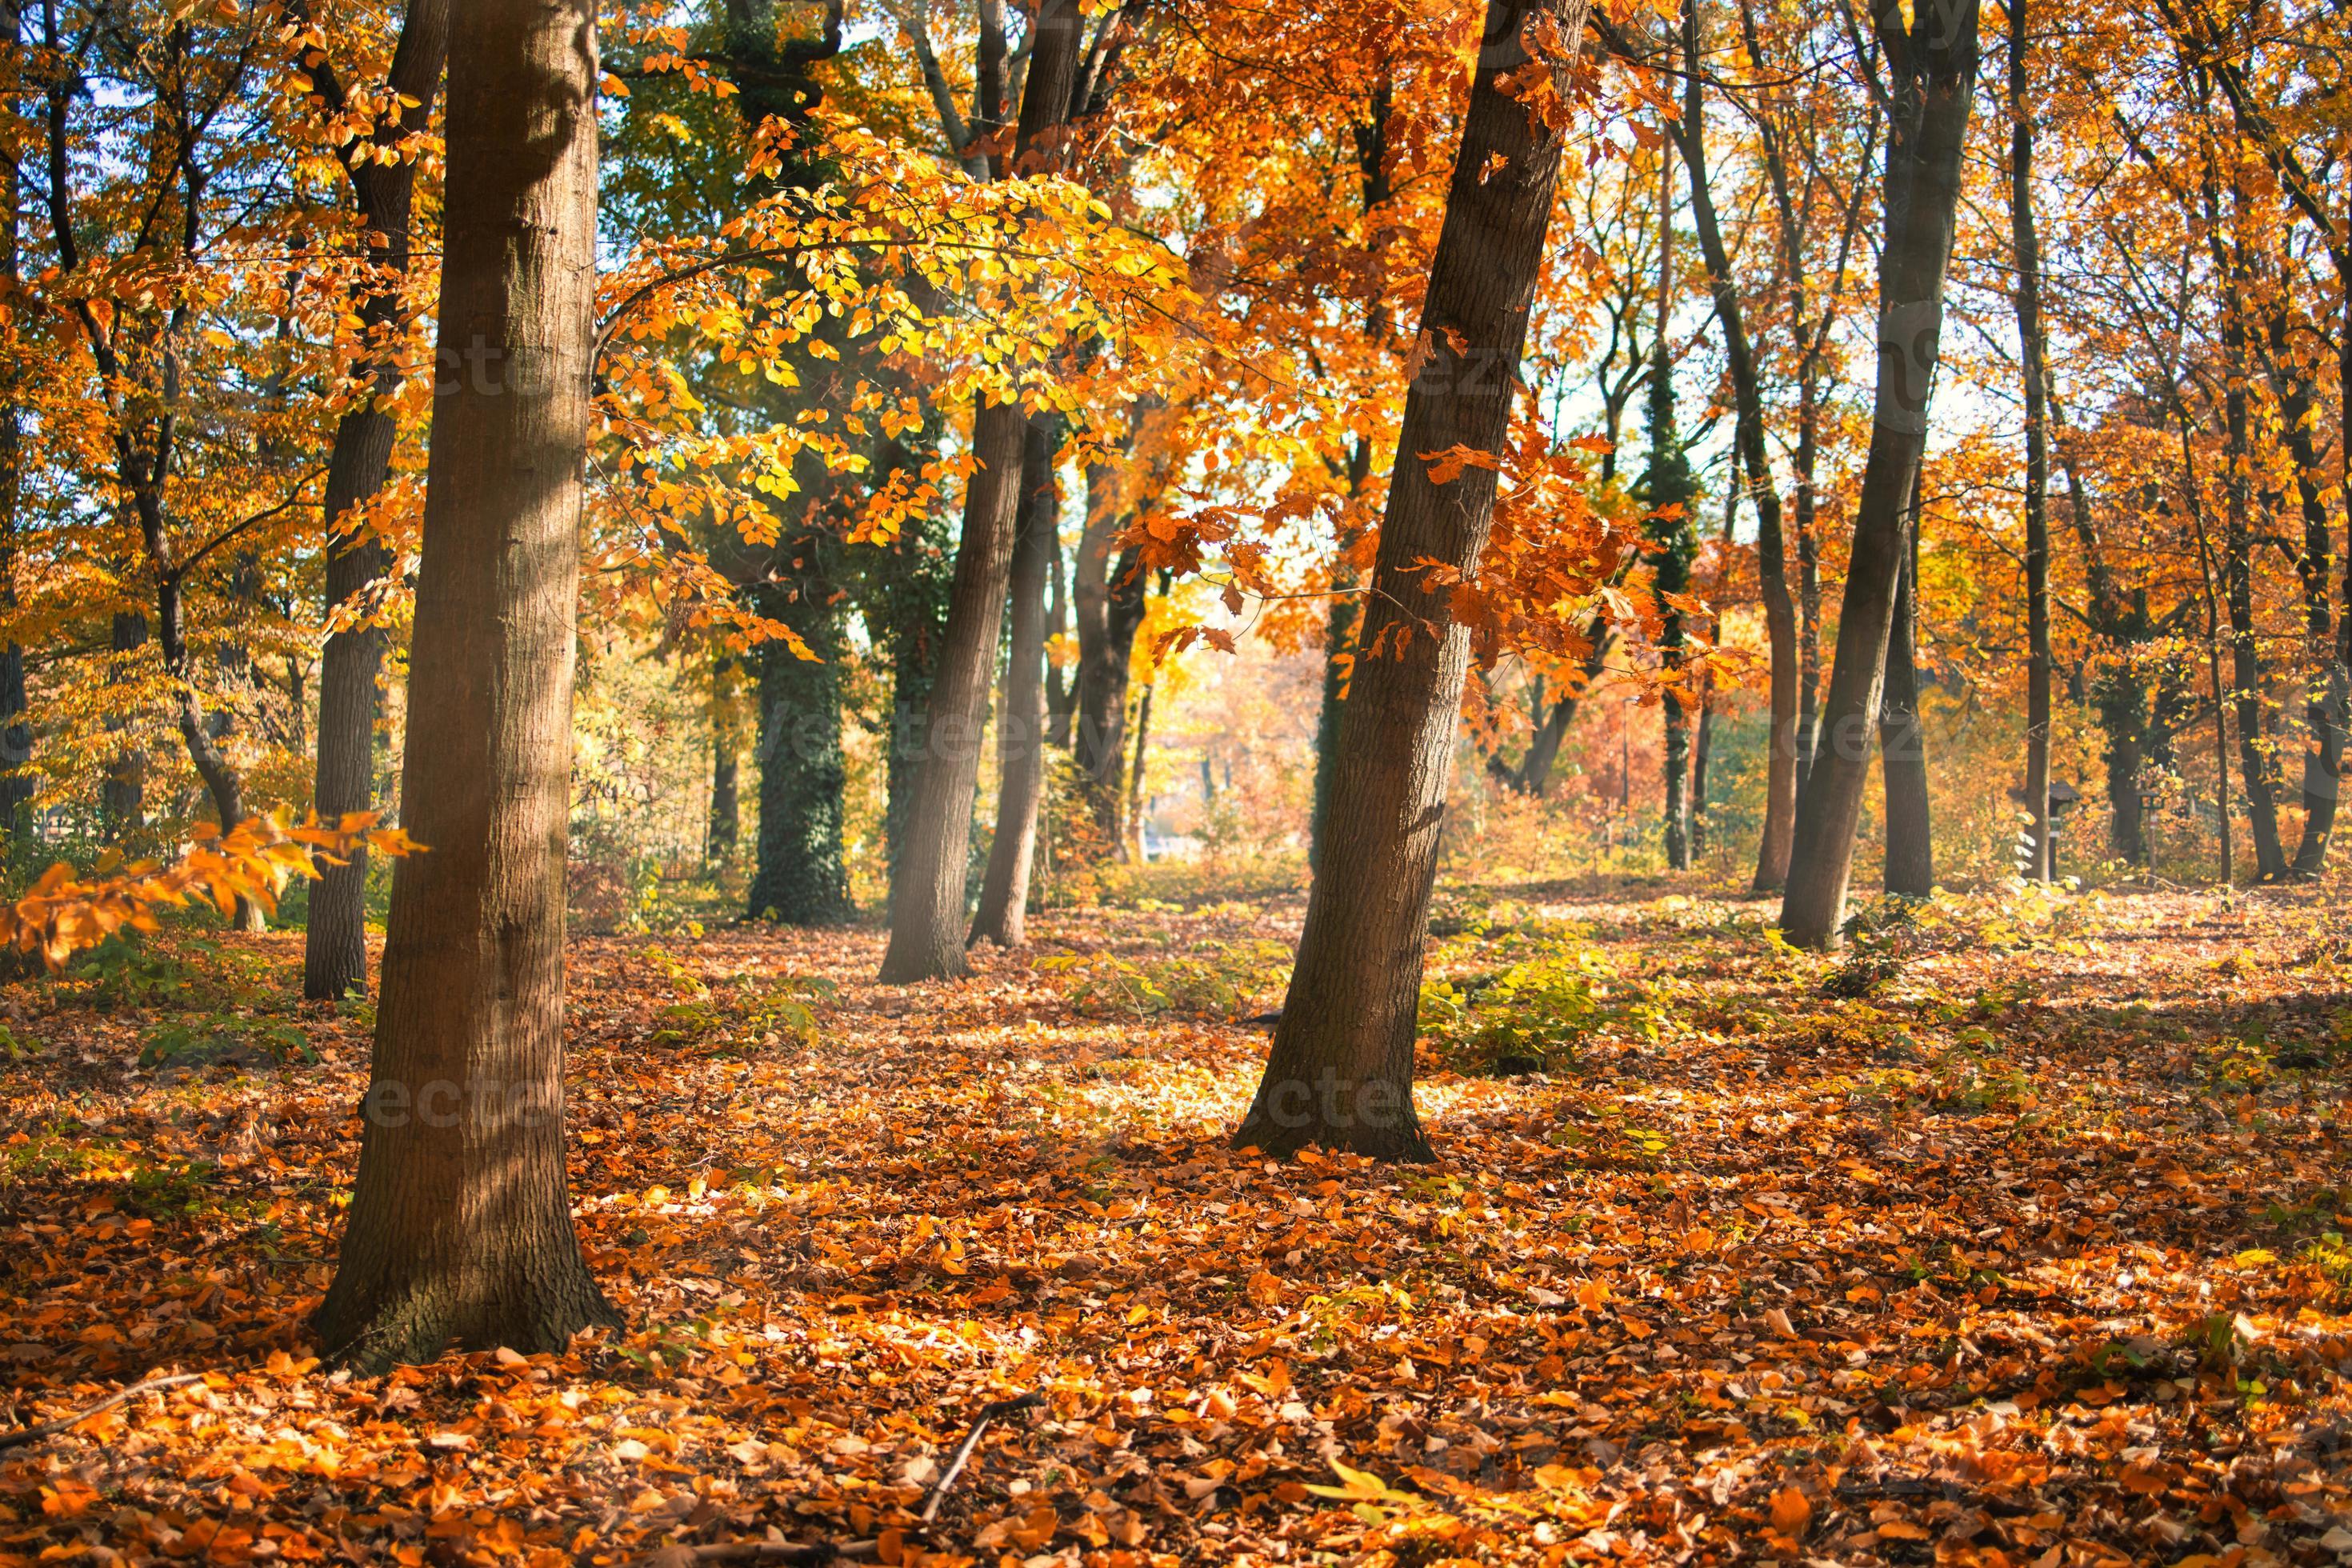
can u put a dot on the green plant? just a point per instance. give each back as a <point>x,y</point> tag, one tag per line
<point>166,1192</point>
<point>1534,1016</point>
<point>126,974</point>
<point>209,1039</point>
<point>1225,983</point>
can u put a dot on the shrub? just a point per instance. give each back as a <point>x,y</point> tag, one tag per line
<point>1536,1015</point>
<point>1226,984</point>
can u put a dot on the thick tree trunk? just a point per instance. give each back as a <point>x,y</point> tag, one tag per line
<point>1340,1072</point>
<point>334,945</point>
<point>1903,742</point>
<point>1020,759</point>
<point>2026,248</point>
<point>460,1224</point>
<point>1933,62</point>
<point>927,904</point>
<point>799,875</point>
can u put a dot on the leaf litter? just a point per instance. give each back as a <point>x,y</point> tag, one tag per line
<point>2016,1234</point>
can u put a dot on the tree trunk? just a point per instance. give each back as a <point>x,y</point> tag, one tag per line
<point>2026,247</point>
<point>1671,490</point>
<point>1345,617</point>
<point>1109,599</point>
<point>122,796</point>
<point>726,824</point>
<point>2248,689</point>
<point>1341,1071</point>
<point>1788,737</point>
<point>1020,759</point>
<point>15,736</point>
<point>1903,742</point>
<point>799,877</point>
<point>2328,692</point>
<point>1131,827</point>
<point>927,904</point>
<point>460,1224</point>
<point>1933,62</point>
<point>1702,751</point>
<point>335,944</point>
<point>1061,692</point>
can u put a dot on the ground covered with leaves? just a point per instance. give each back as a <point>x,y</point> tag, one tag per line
<point>2014,1235</point>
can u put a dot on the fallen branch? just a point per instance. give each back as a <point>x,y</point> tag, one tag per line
<point>25,1435</point>
<point>988,1413</point>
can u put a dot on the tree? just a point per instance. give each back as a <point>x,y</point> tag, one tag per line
<point>381,162</point>
<point>1748,434</point>
<point>16,735</point>
<point>460,1226</point>
<point>1931,63</point>
<point>1341,1071</point>
<point>1020,745</point>
<point>2034,363</point>
<point>1670,490</point>
<point>1902,740</point>
<point>927,904</point>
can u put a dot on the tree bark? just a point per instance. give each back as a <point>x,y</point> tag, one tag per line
<point>335,944</point>
<point>1932,60</point>
<point>926,905</point>
<point>1021,758</point>
<point>1902,742</point>
<point>1341,1071</point>
<point>460,1224</point>
<point>2034,363</point>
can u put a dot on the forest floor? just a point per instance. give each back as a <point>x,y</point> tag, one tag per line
<point>2016,1236</point>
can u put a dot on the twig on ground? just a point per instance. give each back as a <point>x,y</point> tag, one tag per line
<point>988,1413</point>
<point>25,1435</point>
